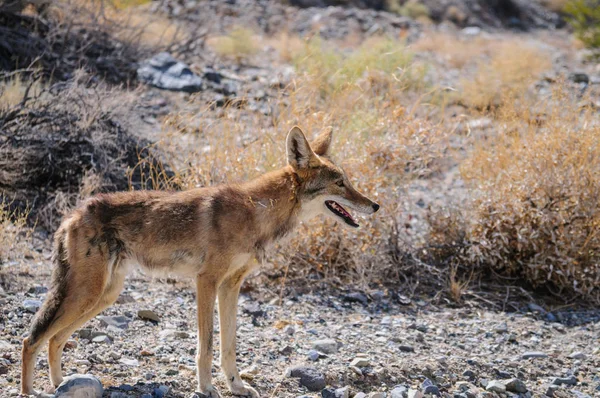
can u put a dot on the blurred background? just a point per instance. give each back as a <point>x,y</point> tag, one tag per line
<point>475,124</point>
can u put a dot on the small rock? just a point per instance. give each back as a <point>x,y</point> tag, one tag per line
<point>496,386</point>
<point>469,374</point>
<point>148,315</point>
<point>253,309</point>
<point>32,305</point>
<point>406,348</point>
<point>579,77</point>
<point>172,334</point>
<point>343,392</point>
<point>313,355</point>
<point>550,390</point>
<point>376,395</point>
<point>360,395</point>
<point>326,346</point>
<point>414,394</point>
<point>129,361</point>
<point>399,392</point>
<point>569,381</point>
<point>534,354</point>
<point>360,362</point>
<point>501,328</point>
<point>118,394</point>
<point>165,72</point>
<point>119,321</point>
<point>289,330</point>
<point>356,297</point>
<point>577,355</point>
<point>471,31</point>
<point>536,308</point>
<point>310,378</point>
<point>101,339</point>
<point>249,373</point>
<point>80,386</point>
<point>516,385</point>
<point>286,350</point>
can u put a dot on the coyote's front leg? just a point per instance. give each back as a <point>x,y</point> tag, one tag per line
<point>228,299</point>
<point>206,289</point>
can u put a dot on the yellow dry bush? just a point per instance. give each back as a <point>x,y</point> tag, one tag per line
<point>535,212</point>
<point>239,44</point>
<point>457,52</point>
<point>509,71</point>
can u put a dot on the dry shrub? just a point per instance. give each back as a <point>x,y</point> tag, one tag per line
<point>331,71</point>
<point>14,233</point>
<point>456,51</point>
<point>240,44</point>
<point>511,68</point>
<point>535,212</point>
<point>67,140</point>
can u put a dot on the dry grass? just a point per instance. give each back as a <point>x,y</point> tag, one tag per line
<point>456,51</point>
<point>15,235</point>
<point>240,44</point>
<point>536,213</point>
<point>508,72</point>
<point>13,89</point>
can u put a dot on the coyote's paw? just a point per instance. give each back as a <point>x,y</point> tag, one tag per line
<point>209,392</point>
<point>245,391</point>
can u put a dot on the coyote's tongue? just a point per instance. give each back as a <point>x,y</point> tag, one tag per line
<point>339,211</point>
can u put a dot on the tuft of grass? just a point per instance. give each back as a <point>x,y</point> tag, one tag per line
<point>240,44</point>
<point>14,89</point>
<point>376,59</point>
<point>411,9</point>
<point>457,52</point>
<point>508,73</point>
<point>14,233</point>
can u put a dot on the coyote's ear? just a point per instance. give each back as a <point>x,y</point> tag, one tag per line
<point>299,153</point>
<point>321,144</point>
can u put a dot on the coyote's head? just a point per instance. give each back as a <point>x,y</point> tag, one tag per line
<point>324,187</point>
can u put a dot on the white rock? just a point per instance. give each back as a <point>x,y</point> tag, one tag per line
<point>414,393</point>
<point>360,362</point>
<point>80,386</point>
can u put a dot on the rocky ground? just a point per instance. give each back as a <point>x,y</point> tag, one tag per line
<point>321,343</point>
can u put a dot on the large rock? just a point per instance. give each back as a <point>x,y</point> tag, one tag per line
<point>164,71</point>
<point>80,386</point>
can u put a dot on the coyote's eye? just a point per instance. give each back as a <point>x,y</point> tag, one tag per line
<point>340,183</point>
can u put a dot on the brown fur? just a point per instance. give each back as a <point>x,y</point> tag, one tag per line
<point>210,233</point>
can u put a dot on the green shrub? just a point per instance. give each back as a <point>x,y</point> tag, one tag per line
<point>584,16</point>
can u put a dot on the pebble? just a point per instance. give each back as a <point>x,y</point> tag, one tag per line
<point>415,394</point>
<point>496,386</point>
<point>289,330</point>
<point>501,328</point>
<point>356,297</point>
<point>148,315</point>
<point>398,392</point>
<point>577,355</point>
<point>550,390</point>
<point>102,339</point>
<point>119,321</point>
<point>516,385</point>
<point>569,381</point>
<point>129,361</point>
<point>32,305</point>
<point>313,355</point>
<point>360,362</point>
<point>326,346</point>
<point>78,386</point>
<point>406,348</point>
<point>534,354</point>
<point>309,377</point>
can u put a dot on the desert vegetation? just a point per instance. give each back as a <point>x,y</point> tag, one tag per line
<point>481,144</point>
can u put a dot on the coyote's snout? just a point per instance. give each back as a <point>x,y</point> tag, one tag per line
<point>211,234</point>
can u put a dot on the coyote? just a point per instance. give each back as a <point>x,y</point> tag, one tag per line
<point>208,233</point>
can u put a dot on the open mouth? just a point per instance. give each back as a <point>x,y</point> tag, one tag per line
<point>339,211</point>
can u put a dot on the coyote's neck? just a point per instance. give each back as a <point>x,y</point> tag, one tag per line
<point>275,196</point>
